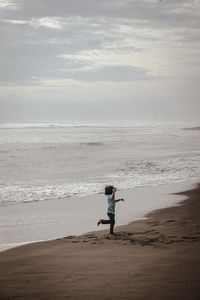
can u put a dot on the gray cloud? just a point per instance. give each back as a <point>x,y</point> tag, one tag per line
<point>110,73</point>
<point>164,12</point>
<point>34,50</point>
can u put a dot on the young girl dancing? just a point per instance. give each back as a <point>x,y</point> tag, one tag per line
<point>110,193</point>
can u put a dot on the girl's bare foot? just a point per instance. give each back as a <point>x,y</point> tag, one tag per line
<point>99,222</point>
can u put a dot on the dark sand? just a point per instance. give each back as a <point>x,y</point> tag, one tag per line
<point>156,258</point>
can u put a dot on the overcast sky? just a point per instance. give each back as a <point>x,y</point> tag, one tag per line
<point>115,60</point>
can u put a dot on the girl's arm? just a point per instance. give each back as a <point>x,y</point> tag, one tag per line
<point>113,193</point>
<point>113,196</point>
<point>119,200</point>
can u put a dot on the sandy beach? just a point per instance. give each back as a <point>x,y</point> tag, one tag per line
<point>154,258</point>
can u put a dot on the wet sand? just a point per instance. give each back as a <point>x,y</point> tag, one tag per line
<point>48,220</point>
<point>155,258</point>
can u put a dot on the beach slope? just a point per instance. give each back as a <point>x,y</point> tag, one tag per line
<point>155,258</point>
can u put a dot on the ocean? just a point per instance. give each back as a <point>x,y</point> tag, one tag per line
<point>40,162</point>
<point>53,175</point>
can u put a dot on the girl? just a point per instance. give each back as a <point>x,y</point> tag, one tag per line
<point>110,193</point>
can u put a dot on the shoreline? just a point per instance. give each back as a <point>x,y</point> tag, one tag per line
<point>153,258</point>
<point>48,220</point>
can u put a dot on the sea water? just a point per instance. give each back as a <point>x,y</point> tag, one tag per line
<point>47,169</point>
<point>51,161</point>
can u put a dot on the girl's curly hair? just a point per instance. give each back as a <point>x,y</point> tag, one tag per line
<point>109,190</point>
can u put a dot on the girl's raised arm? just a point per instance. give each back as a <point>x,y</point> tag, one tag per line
<point>113,193</point>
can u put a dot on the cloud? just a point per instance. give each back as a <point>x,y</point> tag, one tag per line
<point>39,51</point>
<point>168,13</point>
<point>8,4</point>
<point>110,73</point>
<point>54,23</point>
